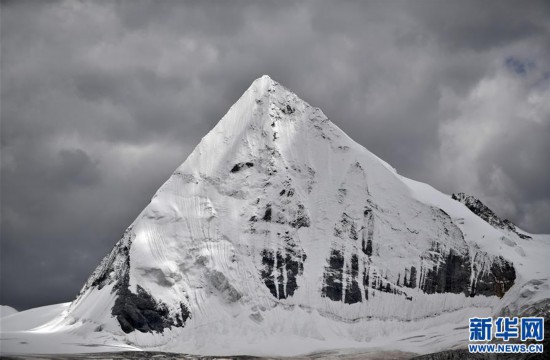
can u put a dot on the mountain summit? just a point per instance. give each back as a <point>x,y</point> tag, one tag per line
<point>280,229</point>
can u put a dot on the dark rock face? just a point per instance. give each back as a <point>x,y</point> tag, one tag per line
<point>492,277</point>
<point>238,167</point>
<point>282,215</point>
<point>450,274</point>
<point>342,277</point>
<point>301,219</point>
<point>350,292</point>
<point>283,211</point>
<point>141,311</point>
<point>287,261</point>
<point>440,269</point>
<point>333,277</point>
<point>366,241</point>
<point>453,271</point>
<point>111,269</point>
<point>347,229</point>
<point>267,214</point>
<point>481,210</point>
<point>409,278</point>
<point>268,261</point>
<point>289,110</point>
<point>134,311</point>
<point>353,293</point>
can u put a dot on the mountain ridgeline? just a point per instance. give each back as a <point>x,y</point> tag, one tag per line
<point>278,219</point>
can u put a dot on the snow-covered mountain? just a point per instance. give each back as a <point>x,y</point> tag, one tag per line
<point>280,229</point>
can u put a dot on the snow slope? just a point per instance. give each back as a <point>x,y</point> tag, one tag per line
<point>6,310</point>
<point>280,229</point>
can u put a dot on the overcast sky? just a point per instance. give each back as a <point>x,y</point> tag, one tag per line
<point>102,100</point>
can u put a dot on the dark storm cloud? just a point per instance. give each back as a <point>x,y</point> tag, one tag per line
<point>101,101</point>
<point>470,24</point>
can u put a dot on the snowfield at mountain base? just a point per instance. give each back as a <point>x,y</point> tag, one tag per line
<point>281,236</point>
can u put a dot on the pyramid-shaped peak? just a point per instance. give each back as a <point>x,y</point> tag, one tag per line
<point>259,105</point>
<point>278,222</point>
<point>265,78</point>
<point>264,84</point>
<point>266,116</point>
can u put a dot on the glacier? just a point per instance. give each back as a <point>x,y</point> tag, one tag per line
<point>279,235</point>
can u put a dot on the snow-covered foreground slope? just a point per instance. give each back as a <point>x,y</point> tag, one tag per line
<point>6,310</point>
<point>19,334</point>
<point>280,229</point>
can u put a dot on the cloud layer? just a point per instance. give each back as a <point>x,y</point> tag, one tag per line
<point>101,101</point>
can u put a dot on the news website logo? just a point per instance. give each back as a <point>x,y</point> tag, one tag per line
<point>506,329</point>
